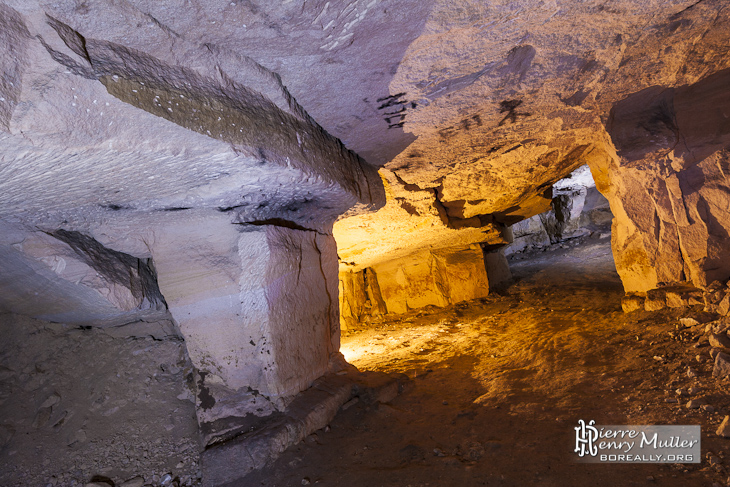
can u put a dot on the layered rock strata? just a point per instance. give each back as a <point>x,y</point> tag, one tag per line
<point>146,174</point>
<point>668,185</point>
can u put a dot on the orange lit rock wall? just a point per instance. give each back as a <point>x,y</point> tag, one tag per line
<point>669,185</point>
<point>424,278</point>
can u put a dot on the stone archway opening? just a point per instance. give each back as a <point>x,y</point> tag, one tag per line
<point>407,310</point>
<point>555,344</point>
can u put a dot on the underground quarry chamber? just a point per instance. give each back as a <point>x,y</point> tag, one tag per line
<point>362,242</point>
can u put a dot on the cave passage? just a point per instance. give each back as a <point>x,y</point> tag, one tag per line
<point>208,208</point>
<point>497,385</point>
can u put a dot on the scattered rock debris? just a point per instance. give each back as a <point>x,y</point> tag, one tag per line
<point>517,370</point>
<point>79,407</point>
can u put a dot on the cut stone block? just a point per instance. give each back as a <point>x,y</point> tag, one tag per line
<point>632,302</point>
<point>436,278</point>
<point>257,307</point>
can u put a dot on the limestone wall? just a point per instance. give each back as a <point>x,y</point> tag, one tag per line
<point>425,278</point>
<point>668,185</point>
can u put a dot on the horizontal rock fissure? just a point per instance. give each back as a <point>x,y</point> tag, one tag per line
<point>280,222</point>
<point>119,267</point>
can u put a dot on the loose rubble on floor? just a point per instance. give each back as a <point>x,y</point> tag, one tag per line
<point>477,381</point>
<point>82,407</point>
<point>498,384</point>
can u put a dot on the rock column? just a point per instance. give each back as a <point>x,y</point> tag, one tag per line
<point>668,185</point>
<point>257,305</point>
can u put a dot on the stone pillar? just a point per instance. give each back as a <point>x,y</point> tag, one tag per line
<point>257,305</point>
<point>497,267</point>
<point>668,184</point>
<point>670,226</point>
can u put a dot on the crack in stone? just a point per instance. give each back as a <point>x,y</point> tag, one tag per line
<point>332,326</point>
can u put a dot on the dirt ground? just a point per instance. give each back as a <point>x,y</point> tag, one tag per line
<point>499,384</point>
<point>78,404</point>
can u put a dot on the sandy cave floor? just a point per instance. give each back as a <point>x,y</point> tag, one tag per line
<point>499,384</point>
<point>78,403</point>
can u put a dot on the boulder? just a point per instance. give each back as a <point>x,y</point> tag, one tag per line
<point>722,365</point>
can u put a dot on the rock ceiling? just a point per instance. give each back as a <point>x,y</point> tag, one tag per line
<point>195,161</point>
<point>472,109</point>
